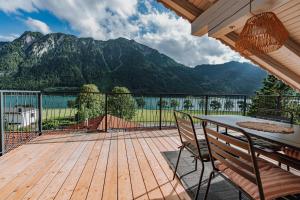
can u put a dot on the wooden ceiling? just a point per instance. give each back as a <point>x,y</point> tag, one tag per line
<point>188,9</point>
<point>224,20</point>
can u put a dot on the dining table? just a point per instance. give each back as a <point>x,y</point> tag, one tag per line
<point>291,140</point>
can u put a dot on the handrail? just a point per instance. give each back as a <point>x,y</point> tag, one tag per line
<point>19,91</point>
<point>164,94</point>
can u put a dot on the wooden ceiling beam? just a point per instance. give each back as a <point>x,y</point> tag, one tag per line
<point>183,7</point>
<point>276,68</point>
<point>225,16</point>
<point>293,47</point>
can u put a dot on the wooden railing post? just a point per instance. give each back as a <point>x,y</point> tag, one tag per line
<point>2,144</point>
<point>40,107</point>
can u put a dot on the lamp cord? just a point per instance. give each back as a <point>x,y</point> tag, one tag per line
<point>251,7</point>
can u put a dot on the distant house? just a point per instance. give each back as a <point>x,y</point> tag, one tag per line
<point>20,116</point>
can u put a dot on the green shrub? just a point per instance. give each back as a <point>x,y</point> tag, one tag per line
<point>90,102</point>
<point>121,103</point>
<point>187,103</point>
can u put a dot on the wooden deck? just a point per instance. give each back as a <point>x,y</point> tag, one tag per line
<point>92,166</point>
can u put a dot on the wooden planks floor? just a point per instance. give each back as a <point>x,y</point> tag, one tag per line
<point>120,165</point>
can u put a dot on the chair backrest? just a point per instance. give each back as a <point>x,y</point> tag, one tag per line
<point>235,154</point>
<point>186,129</point>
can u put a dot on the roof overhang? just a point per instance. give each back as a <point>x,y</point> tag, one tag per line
<point>224,20</point>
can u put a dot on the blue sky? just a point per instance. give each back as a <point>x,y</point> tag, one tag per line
<point>145,21</point>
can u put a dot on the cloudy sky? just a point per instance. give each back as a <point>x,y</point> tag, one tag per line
<point>145,21</point>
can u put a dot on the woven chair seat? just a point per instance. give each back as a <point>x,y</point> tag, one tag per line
<point>276,182</point>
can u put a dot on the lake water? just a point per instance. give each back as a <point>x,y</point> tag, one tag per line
<point>150,103</point>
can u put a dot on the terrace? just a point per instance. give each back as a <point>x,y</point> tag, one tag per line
<point>61,156</point>
<point>89,145</point>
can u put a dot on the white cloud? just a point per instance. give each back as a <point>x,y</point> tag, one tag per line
<point>37,25</point>
<point>9,37</point>
<point>108,19</point>
<point>172,37</point>
<point>15,5</point>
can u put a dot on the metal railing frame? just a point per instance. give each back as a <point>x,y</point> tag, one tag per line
<point>160,96</point>
<point>2,118</point>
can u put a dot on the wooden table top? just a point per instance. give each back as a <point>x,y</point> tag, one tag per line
<point>290,140</point>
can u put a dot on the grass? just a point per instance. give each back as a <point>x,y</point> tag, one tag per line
<point>141,115</point>
<point>59,113</point>
<point>168,117</point>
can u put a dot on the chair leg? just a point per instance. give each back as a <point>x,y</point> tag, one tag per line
<point>177,163</point>
<point>200,180</point>
<point>240,195</point>
<point>288,168</point>
<point>196,164</point>
<point>208,184</point>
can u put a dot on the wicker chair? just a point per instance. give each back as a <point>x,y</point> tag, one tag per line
<point>190,142</point>
<point>235,160</point>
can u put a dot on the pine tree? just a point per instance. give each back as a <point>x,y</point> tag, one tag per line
<point>270,95</point>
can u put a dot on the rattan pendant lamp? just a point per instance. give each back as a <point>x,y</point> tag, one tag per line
<point>263,33</point>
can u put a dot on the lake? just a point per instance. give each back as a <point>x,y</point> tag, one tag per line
<point>150,103</point>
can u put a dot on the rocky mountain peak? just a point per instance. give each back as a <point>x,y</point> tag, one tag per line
<point>28,37</point>
<point>37,61</point>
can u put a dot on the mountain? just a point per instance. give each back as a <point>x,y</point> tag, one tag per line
<point>232,76</point>
<point>2,44</point>
<point>37,61</point>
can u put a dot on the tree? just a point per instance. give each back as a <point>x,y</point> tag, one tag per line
<point>215,105</point>
<point>269,96</point>
<point>163,103</point>
<point>201,103</point>
<point>90,102</point>
<point>273,86</point>
<point>228,105</point>
<point>140,101</point>
<point>174,103</point>
<point>71,103</point>
<point>121,103</point>
<point>242,106</point>
<point>187,103</point>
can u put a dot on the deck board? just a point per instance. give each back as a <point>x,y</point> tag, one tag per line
<point>97,184</point>
<point>118,165</point>
<point>137,182</point>
<point>162,180</point>
<point>124,183</point>
<point>110,190</point>
<point>156,148</point>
